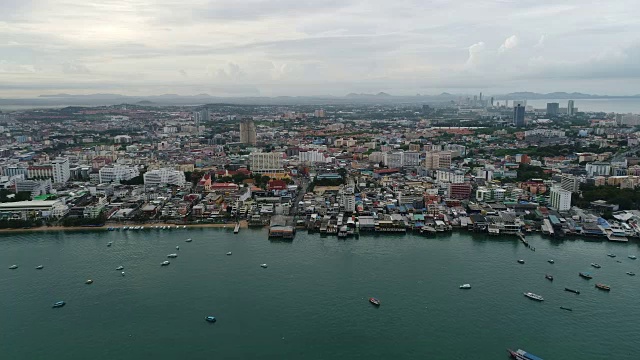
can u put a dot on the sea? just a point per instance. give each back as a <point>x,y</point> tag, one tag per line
<point>311,300</point>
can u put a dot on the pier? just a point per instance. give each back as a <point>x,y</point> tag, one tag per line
<point>237,228</point>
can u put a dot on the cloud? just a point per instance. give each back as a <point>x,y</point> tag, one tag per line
<point>74,68</point>
<point>474,53</point>
<point>13,68</point>
<point>540,42</point>
<point>232,73</point>
<point>510,43</point>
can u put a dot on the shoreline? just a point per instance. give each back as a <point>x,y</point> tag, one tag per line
<point>243,225</point>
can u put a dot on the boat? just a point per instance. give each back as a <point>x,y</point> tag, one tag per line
<point>177,247</point>
<point>184,226</point>
<point>632,257</point>
<point>374,301</point>
<point>89,282</point>
<point>585,275</point>
<point>550,261</point>
<point>110,243</point>
<point>603,287</point>
<point>521,261</point>
<point>12,267</point>
<point>611,255</point>
<point>533,296</point>
<point>120,268</point>
<point>188,240</point>
<point>596,265</point>
<point>210,319</point>
<point>172,255</point>
<point>571,290</point>
<point>548,277</point>
<point>522,355</point>
<point>165,263</point>
<point>59,304</point>
<point>630,273</point>
<point>566,308</point>
<point>229,253</point>
<point>263,265</point>
<point>465,286</point>
<point>122,273</point>
<point>39,267</point>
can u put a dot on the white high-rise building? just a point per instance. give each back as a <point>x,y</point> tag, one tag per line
<point>348,199</point>
<point>164,176</point>
<point>312,156</point>
<point>61,173</point>
<point>560,199</point>
<point>118,173</point>
<point>570,183</point>
<point>262,163</point>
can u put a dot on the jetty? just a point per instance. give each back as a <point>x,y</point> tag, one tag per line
<point>237,228</point>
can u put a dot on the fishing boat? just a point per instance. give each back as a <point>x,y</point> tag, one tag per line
<point>465,286</point>
<point>632,257</point>
<point>263,265</point>
<point>550,261</point>
<point>571,290</point>
<point>566,308</point>
<point>520,261</point>
<point>522,355</point>
<point>603,287</point>
<point>229,253</point>
<point>172,255</point>
<point>611,255</point>
<point>533,296</point>
<point>122,273</point>
<point>109,243</point>
<point>548,277</point>
<point>596,265</point>
<point>631,273</point>
<point>177,247</point>
<point>59,304</point>
<point>374,301</point>
<point>120,267</point>
<point>39,267</point>
<point>188,240</point>
<point>210,319</point>
<point>165,263</point>
<point>13,267</point>
<point>585,275</point>
<point>88,282</point>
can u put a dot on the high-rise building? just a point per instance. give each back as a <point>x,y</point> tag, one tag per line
<point>570,108</point>
<point>61,173</point>
<point>118,173</point>
<point>560,199</point>
<point>164,176</point>
<point>437,160</point>
<point>518,116</point>
<point>248,132</point>
<point>553,108</point>
<point>262,163</point>
<point>570,183</point>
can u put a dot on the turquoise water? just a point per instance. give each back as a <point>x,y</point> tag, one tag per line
<point>311,302</point>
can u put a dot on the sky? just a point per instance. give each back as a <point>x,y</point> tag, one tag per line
<point>318,47</point>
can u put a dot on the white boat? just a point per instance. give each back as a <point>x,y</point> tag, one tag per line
<point>188,240</point>
<point>122,273</point>
<point>184,226</point>
<point>120,267</point>
<point>550,261</point>
<point>263,265</point>
<point>533,296</point>
<point>229,253</point>
<point>172,255</point>
<point>465,286</point>
<point>12,267</point>
<point>165,263</point>
<point>177,247</point>
<point>633,257</point>
<point>39,267</point>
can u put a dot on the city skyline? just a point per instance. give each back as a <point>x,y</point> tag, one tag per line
<point>283,47</point>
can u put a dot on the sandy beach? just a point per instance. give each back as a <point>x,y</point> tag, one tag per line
<point>151,226</point>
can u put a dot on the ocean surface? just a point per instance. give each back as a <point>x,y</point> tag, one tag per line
<point>311,301</point>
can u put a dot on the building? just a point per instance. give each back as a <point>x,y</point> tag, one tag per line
<point>437,160</point>
<point>553,108</point>
<point>560,199</point>
<point>448,176</point>
<point>571,110</point>
<point>35,188</point>
<point>598,169</point>
<point>13,170</point>
<point>164,176</point>
<point>312,157</point>
<point>40,172</point>
<point>570,183</point>
<point>393,160</point>
<point>348,200</point>
<point>518,116</point>
<point>26,209</point>
<point>460,191</point>
<point>61,172</point>
<point>118,173</point>
<point>262,163</point>
<point>410,159</point>
<point>248,132</point>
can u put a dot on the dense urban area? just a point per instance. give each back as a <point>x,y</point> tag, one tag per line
<point>489,166</point>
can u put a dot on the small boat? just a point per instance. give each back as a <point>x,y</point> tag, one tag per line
<point>465,286</point>
<point>229,253</point>
<point>263,265</point>
<point>210,319</point>
<point>566,308</point>
<point>585,275</point>
<point>122,273</point>
<point>13,267</point>
<point>630,273</point>
<point>533,296</point>
<point>165,263</point>
<point>550,261</point>
<point>89,282</point>
<point>611,255</point>
<point>571,290</point>
<point>188,240</point>
<point>548,277</point>
<point>521,261</point>
<point>120,268</point>
<point>603,287</point>
<point>39,267</point>
<point>618,261</point>
<point>177,247</point>
<point>522,355</point>
<point>172,255</point>
<point>374,301</point>
<point>109,243</point>
<point>184,226</point>
<point>596,265</point>
<point>59,304</point>
<point>632,257</point>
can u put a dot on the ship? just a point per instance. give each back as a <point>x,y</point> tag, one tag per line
<point>522,355</point>
<point>603,287</point>
<point>586,275</point>
<point>533,296</point>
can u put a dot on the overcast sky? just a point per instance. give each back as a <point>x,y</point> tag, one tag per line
<point>315,47</point>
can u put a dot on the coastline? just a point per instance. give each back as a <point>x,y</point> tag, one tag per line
<point>243,225</point>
